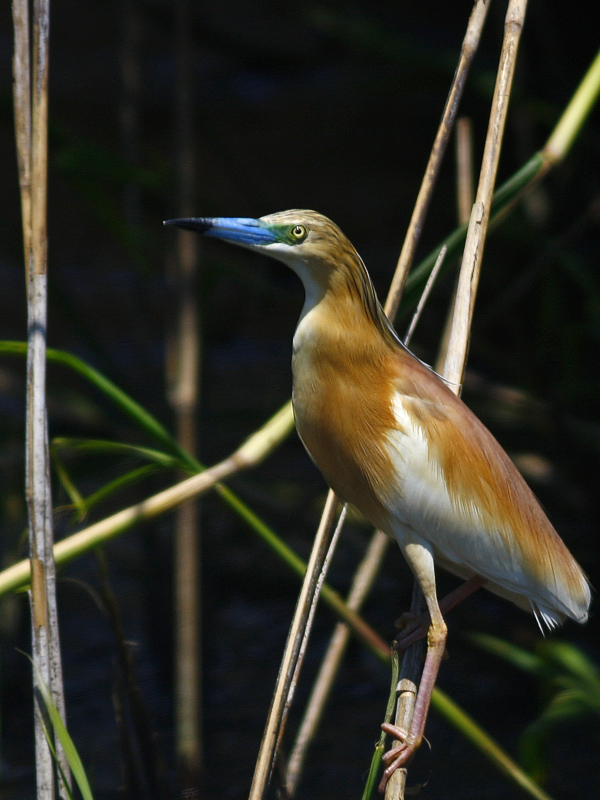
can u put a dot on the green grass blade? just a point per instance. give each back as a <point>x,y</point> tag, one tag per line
<point>123,481</point>
<point>50,742</point>
<point>375,767</point>
<point>130,407</point>
<point>560,663</point>
<point>566,706</point>
<point>517,656</point>
<point>83,505</point>
<point>573,663</point>
<point>68,746</point>
<point>120,448</point>
<point>63,736</point>
<point>77,499</point>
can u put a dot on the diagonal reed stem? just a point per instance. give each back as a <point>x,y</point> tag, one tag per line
<point>296,636</point>
<point>458,343</point>
<point>413,234</point>
<point>361,585</point>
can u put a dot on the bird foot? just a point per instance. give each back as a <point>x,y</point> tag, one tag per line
<point>399,754</point>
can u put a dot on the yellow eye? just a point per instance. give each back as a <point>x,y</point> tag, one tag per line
<point>298,232</point>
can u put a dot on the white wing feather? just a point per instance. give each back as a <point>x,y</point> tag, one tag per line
<point>462,541</point>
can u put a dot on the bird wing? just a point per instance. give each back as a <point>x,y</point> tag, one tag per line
<point>459,491</point>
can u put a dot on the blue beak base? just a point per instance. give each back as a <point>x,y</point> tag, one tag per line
<point>240,230</point>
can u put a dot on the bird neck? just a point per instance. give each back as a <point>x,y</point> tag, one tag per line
<point>341,304</point>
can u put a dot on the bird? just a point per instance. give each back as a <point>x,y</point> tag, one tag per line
<point>393,440</point>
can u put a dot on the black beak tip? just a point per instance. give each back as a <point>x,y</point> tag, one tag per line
<point>198,224</point>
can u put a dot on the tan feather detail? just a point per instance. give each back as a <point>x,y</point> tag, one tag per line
<point>342,390</point>
<point>481,478</point>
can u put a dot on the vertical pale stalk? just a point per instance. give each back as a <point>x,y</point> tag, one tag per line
<point>22,111</point>
<point>36,480</point>
<point>464,169</point>
<point>458,343</point>
<point>412,664</point>
<point>183,378</point>
<point>464,203</point>
<point>31,122</point>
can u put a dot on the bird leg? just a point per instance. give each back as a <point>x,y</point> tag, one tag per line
<point>411,741</point>
<point>413,628</point>
<point>420,559</point>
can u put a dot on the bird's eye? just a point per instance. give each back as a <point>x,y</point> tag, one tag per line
<point>299,233</point>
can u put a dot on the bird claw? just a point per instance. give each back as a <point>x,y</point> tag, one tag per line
<point>398,733</point>
<point>398,755</point>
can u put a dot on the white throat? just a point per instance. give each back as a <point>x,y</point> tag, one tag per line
<point>314,291</point>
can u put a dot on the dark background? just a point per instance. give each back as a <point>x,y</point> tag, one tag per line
<point>331,106</point>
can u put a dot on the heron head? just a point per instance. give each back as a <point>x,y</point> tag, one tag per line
<point>306,241</point>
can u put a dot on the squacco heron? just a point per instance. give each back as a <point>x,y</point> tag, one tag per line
<point>391,439</point>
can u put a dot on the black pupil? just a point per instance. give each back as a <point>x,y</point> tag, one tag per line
<point>298,230</point>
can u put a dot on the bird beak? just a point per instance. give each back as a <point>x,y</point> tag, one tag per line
<point>240,230</point>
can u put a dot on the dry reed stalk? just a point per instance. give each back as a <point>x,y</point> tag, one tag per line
<point>464,203</point>
<point>361,585</point>
<point>464,168</point>
<point>288,669</point>
<point>31,125</point>
<point>406,691</point>
<point>425,294</point>
<point>183,375</point>
<point>309,621</point>
<point>458,343</point>
<point>22,112</point>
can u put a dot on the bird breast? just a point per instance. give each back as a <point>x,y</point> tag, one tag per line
<point>342,404</point>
